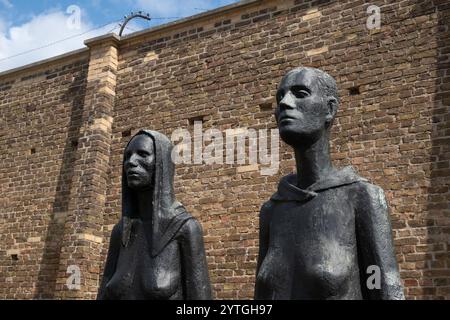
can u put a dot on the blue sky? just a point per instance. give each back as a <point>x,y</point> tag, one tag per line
<point>26,25</point>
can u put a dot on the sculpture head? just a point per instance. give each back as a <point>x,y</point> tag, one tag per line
<point>139,162</point>
<point>148,173</point>
<point>307,102</point>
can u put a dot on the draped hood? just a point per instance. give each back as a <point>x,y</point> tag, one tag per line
<point>168,215</point>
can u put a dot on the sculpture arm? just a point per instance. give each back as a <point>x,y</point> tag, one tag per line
<point>263,240</point>
<point>195,268</point>
<point>375,246</point>
<point>111,261</point>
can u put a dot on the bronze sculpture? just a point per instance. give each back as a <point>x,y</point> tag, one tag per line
<point>324,228</point>
<point>156,250</point>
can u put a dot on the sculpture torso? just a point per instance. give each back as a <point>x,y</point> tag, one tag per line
<point>140,276</point>
<point>312,251</point>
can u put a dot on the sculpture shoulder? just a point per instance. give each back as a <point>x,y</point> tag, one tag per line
<point>191,229</point>
<point>266,210</point>
<point>370,197</point>
<point>117,230</point>
<point>116,235</point>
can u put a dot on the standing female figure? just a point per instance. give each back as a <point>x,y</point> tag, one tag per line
<point>156,250</point>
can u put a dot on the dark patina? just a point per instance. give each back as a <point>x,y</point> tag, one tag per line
<point>156,250</point>
<point>324,228</point>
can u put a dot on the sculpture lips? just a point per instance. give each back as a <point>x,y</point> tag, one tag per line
<point>132,173</point>
<point>285,118</point>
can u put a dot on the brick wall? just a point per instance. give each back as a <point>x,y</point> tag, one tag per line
<point>392,126</point>
<point>40,122</point>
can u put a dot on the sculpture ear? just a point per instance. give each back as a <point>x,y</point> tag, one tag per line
<point>332,105</point>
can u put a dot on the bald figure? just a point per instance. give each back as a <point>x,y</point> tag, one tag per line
<point>325,233</point>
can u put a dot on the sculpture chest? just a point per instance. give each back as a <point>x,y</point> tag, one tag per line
<point>140,276</point>
<point>312,247</point>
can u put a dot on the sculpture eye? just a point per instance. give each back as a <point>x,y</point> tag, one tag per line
<point>300,92</point>
<point>143,153</point>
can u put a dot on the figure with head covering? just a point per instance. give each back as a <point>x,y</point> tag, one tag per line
<point>156,250</point>
<point>325,233</point>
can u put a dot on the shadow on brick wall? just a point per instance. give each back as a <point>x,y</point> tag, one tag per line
<point>438,273</point>
<point>431,253</point>
<point>46,281</point>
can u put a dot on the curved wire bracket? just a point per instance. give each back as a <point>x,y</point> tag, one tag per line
<point>132,15</point>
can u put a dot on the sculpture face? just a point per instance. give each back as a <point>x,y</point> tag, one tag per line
<point>139,162</point>
<point>303,110</point>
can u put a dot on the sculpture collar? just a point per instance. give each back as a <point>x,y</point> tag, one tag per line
<point>288,191</point>
<point>168,215</point>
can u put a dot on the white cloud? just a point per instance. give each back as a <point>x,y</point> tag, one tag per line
<point>40,31</point>
<point>6,3</point>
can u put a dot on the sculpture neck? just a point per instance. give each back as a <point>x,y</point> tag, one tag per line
<point>313,162</point>
<point>145,204</point>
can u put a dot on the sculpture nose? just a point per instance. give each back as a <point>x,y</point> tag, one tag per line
<point>288,102</point>
<point>132,161</point>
